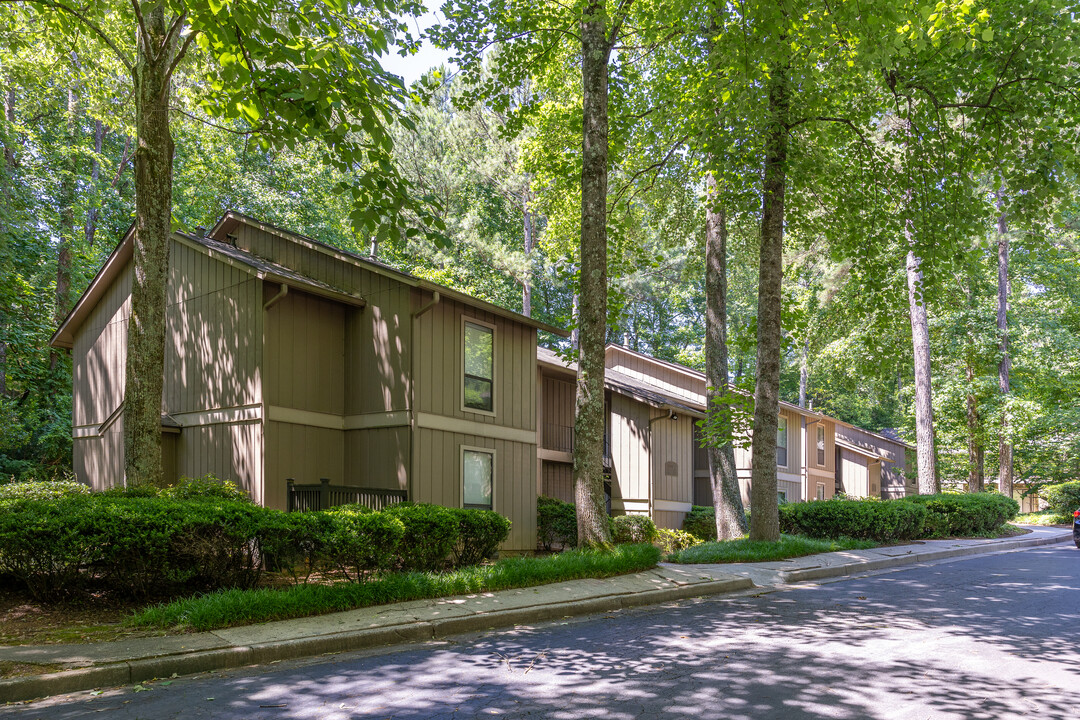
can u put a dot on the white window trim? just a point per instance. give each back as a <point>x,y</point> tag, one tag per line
<point>787,442</point>
<point>461,470</point>
<point>824,446</point>
<point>465,319</point>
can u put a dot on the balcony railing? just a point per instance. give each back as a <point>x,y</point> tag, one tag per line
<point>324,496</point>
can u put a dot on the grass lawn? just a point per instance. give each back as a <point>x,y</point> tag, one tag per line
<point>745,550</point>
<point>226,608</point>
<point>1043,517</point>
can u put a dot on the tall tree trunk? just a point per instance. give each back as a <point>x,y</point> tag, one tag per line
<point>592,321</point>
<point>67,219</point>
<point>804,371</point>
<point>925,452</point>
<point>764,518</point>
<point>1005,454</point>
<point>727,497</point>
<point>153,215</point>
<point>975,450</point>
<point>529,232</point>
<point>95,167</point>
<point>9,171</point>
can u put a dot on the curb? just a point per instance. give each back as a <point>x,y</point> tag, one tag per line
<point>138,670</point>
<point>821,573</point>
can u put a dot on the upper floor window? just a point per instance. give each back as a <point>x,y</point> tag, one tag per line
<point>821,444</point>
<point>781,442</point>
<point>479,367</point>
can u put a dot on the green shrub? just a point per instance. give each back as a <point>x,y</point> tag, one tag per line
<point>42,490</point>
<point>134,546</point>
<point>964,514</point>
<point>701,522</point>
<point>142,491</point>
<point>431,533</point>
<point>480,532</point>
<point>296,543</point>
<point>630,529</point>
<point>675,540</point>
<point>1062,498</point>
<point>205,487</point>
<point>361,542</point>
<point>556,523</point>
<point>886,521</point>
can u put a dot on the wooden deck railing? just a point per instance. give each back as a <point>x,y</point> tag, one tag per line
<point>324,496</point>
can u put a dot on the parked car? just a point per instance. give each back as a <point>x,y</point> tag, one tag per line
<point>1076,527</point>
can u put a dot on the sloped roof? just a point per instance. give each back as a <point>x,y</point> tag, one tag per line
<point>231,219</point>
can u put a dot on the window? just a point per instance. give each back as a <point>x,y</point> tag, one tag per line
<point>479,367</point>
<point>781,442</point>
<point>781,497</point>
<point>821,445</point>
<point>821,491</point>
<point>477,469</point>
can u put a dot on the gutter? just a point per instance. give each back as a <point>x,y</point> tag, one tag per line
<point>277,298</point>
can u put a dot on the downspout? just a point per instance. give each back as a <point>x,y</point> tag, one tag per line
<point>435,299</point>
<point>274,300</point>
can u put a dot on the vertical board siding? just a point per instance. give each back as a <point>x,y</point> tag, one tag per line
<point>558,480</point>
<point>230,451</point>
<point>669,519</point>
<point>213,334</point>
<point>305,454</point>
<point>305,338</point>
<point>378,458</point>
<point>673,458</point>
<point>854,473</point>
<point>557,396</point>
<point>438,479</point>
<point>688,384</point>
<point>629,448</point>
<point>99,354</point>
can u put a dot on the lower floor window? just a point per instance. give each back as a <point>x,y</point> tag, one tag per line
<point>781,497</point>
<point>477,470</point>
<point>821,491</point>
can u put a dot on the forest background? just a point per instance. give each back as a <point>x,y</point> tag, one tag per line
<point>498,151</point>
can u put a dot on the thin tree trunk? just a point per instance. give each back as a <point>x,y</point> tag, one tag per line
<point>153,214</point>
<point>9,170</point>
<point>804,371</point>
<point>1005,454</point>
<point>528,230</point>
<point>727,497</point>
<point>95,167</point>
<point>575,334</point>
<point>924,410</point>
<point>975,450</point>
<point>592,322</point>
<point>764,518</point>
<point>67,221</point>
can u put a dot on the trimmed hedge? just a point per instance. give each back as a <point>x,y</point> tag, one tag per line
<point>556,523</point>
<point>157,546</point>
<point>857,519</point>
<point>632,529</point>
<point>701,522</point>
<point>205,487</point>
<point>964,514</point>
<point>1062,498</point>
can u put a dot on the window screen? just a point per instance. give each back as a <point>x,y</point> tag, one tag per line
<point>781,442</point>
<point>821,445</point>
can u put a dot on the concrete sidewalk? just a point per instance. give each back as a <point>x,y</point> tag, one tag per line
<point>91,665</point>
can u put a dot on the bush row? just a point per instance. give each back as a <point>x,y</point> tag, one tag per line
<point>918,516</point>
<point>60,543</point>
<point>556,526</point>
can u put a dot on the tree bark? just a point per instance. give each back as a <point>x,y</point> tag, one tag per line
<point>529,232</point>
<point>926,453</point>
<point>1005,454</point>
<point>764,518</point>
<point>153,217</point>
<point>9,170</point>
<point>95,172</point>
<point>592,321</point>
<point>727,497</point>
<point>62,290</point>
<point>975,450</point>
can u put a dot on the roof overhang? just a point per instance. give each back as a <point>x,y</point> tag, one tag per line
<point>851,447</point>
<point>230,220</point>
<point>64,337</point>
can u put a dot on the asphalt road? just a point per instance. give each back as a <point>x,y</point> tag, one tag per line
<point>995,636</point>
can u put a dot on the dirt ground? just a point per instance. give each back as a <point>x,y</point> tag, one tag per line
<point>24,621</point>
